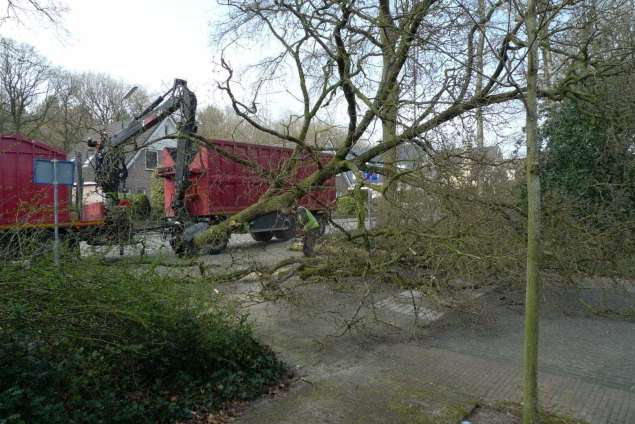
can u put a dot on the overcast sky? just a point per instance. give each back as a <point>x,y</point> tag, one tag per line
<point>149,43</point>
<point>144,42</point>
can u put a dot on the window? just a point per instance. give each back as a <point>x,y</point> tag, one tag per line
<point>152,159</point>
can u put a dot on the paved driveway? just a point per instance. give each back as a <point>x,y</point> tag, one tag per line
<point>387,371</point>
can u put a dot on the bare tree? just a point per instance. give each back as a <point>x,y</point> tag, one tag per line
<point>217,123</point>
<point>336,56</point>
<point>102,96</point>
<point>25,87</point>
<point>480,51</point>
<point>224,123</point>
<point>18,10</point>
<point>39,100</point>
<point>68,119</point>
<point>530,393</point>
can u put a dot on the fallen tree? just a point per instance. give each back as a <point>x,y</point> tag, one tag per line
<point>330,51</point>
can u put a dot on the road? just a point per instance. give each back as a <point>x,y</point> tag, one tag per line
<point>240,249</point>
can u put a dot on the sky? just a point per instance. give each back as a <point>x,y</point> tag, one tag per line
<point>143,42</point>
<point>149,43</point>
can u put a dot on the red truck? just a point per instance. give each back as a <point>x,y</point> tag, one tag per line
<point>202,187</point>
<point>218,188</point>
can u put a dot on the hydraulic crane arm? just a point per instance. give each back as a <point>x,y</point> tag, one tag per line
<point>110,167</point>
<point>180,98</point>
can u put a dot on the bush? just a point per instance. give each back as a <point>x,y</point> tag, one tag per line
<point>95,344</point>
<point>157,194</point>
<point>140,205</point>
<point>588,150</point>
<point>346,205</point>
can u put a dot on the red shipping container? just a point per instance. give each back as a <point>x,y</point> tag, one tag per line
<point>23,203</point>
<point>221,186</point>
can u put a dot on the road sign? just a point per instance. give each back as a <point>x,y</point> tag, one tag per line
<point>371,177</point>
<point>45,172</point>
<point>54,172</point>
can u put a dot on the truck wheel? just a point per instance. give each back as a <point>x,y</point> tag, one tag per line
<point>262,236</point>
<point>72,243</point>
<point>290,232</point>
<point>179,247</point>
<point>287,234</point>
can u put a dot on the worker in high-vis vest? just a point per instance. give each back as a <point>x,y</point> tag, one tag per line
<point>310,230</point>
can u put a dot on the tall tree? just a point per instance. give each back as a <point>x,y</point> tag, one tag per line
<point>68,120</point>
<point>480,134</point>
<point>589,149</point>
<point>389,36</point>
<point>480,51</point>
<point>530,392</point>
<point>103,95</point>
<point>25,87</point>
<point>329,57</point>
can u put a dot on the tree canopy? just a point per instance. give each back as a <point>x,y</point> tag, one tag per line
<point>589,147</point>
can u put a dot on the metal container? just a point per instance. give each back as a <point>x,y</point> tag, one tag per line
<point>221,186</point>
<point>24,204</point>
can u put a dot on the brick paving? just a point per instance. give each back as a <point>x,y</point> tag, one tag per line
<point>586,365</point>
<point>495,381</point>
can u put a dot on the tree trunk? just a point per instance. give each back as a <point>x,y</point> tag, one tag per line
<point>530,395</point>
<point>544,40</point>
<point>391,157</point>
<point>389,37</point>
<point>480,142</point>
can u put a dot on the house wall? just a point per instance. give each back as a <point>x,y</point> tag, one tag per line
<point>139,176</point>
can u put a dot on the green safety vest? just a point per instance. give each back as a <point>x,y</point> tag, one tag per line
<point>309,221</point>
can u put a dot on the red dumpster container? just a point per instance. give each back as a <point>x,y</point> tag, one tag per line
<point>23,203</point>
<point>221,186</point>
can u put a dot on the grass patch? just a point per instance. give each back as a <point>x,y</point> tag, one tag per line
<point>99,343</point>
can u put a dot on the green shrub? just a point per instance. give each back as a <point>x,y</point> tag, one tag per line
<point>157,194</point>
<point>97,344</point>
<point>346,205</point>
<point>140,205</point>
